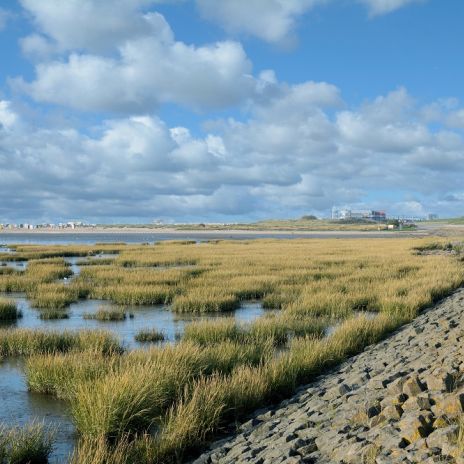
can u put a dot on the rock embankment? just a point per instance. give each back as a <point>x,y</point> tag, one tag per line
<point>399,401</point>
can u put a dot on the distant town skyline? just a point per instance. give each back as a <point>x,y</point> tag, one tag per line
<point>126,111</point>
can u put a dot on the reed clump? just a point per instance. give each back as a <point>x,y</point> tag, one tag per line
<point>51,314</point>
<point>53,296</point>
<point>148,383</point>
<point>104,314</point>
<point>278,328</point>
<point>30,444</point>
<point>205,299</point>
<point>215,401</point>
<point>9,310</point>
<point>58,373</point>
<point>149,335</point>
<point>97,450</point>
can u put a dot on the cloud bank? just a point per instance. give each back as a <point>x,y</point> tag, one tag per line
<point>288,149</point>
<point>300,149</point>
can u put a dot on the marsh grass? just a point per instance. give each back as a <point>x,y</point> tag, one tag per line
<point>460,434</point>
<point>149,335</point>
<point>27,342</point>
<point>103,314</point>
<point>51,314</point>
<point>30,444</point>
<point>8,310</point>
<point>278,328</point>
<point>53,296</point>
<point>206,299</point>
<point>135,294</point>
<point>57,373</point>
<point>97,450</point>
<point>148,383</point>
<point>215,401</point>
<point>155,405</point>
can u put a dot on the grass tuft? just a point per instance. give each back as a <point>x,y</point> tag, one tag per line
<point>50,314</point>
<point>8,310</point>
<point>102,314</point>
<point>149,335</point>
<point>30,444</point>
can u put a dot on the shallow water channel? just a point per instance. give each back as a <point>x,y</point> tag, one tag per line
<point>19,406</point>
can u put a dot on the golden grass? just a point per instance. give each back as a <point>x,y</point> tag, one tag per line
<point>134,397</point>
<point>276,328</point>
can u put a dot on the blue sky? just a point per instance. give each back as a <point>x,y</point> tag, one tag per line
<point>134,110</point>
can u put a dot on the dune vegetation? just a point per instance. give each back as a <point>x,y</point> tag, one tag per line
<point>329,300</point>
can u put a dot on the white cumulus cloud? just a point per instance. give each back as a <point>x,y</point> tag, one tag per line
<point>380,7</point>
<point>147,71</point>
<point>276,21</point>
<point>270,20</point>
<point>127,60</point>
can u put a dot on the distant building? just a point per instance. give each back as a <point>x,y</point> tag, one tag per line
<point>432,217</point>
<point>346,213</point>
<point>378,215</point>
